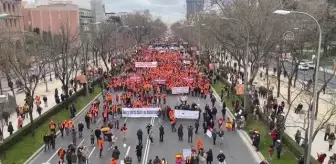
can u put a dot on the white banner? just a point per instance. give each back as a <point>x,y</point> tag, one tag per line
<point>140,112</point>
<point>186,114</point>
<point>179,90</point>
<point>146,64</point>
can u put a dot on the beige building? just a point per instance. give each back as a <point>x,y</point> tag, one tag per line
<point>13,22</point>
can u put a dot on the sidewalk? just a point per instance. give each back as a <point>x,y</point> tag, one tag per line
<point>294,121</point>
<point>40,91</point>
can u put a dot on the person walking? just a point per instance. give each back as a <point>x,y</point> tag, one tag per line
<point>74,136</point>
<point>278,147</point>
<point>150,135</point>
<point>161,129</point>
<point>149,127</point>
<point>138,151</point>
<point>100,146</point>
<point>180,132</point>
<point>46,140</point>
<point>221,135</point>
<point>139,135</point>
<point>190,133</point>
<point>80,129</point>
<point>214,136</point>
<point>205,127</point>
<point>221,157</point>
<point>331,140</point>
<point>209,156</point>
<point>196,126</point>
<point>327,132</point>
<point>297,137</point>
<point>92,137</point>
<point>116,153</point>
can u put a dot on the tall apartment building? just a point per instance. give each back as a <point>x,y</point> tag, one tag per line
<point>13,23</point>
<point>52,18</point>
<point>194,6</point>
<point>98,10</point>
<point>85,19</point>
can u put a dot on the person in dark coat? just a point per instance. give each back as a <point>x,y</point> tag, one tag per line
<point>116,153</point>
<point>87,121</point>
<point>196,126</point>
<point>180,132</point>
<point>205,127</point>
<point>46,140</point>
<point>138,151</point>
<point>209,156</point>
<point>214,136</point>
<point>6,116</point>
<point>10,128</point>
<point>161,129</point>
<point>97,133</point>
<point>190,133</point>
<point>139,135</point>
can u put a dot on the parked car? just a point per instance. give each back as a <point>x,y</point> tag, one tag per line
<point>310,64</point>
<point>303,66</point>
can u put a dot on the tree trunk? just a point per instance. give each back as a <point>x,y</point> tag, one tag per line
<point>278,77</point>
<point>1,90</point>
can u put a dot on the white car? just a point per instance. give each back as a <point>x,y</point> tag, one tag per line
<point>303,66</point>
<point>310,64</point>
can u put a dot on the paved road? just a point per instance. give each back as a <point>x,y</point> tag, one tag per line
<point>233,145</point>
<point>305,75</point>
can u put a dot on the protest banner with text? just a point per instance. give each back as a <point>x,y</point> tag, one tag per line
<point>180,90</point>
<point>146,64</point>
<point>139,112</point>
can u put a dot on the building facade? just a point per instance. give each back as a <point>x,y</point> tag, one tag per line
<point>98,10</point>
<point>52,18</point>
<point>13,22</point>
<point>85,19</point>
<point>194,6</point>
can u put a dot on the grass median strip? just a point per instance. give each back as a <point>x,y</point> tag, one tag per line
<point>23,149</point>
<point>265,139</point>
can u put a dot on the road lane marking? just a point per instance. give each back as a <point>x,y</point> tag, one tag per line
<point>92,151</point>
<point>145,156</point>
<point>53,155</point>
<point>81,142</point>
<point>99,120</point>
<point>128,149</point>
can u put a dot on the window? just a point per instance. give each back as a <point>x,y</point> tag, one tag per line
<point>11,22</point>
<point>13,8</point>
<point>15,21</point>
<point>4,7</point>
<point>9,8</point>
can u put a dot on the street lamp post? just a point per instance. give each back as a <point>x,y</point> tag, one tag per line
<point>246,61</point>
<point>312,116</point>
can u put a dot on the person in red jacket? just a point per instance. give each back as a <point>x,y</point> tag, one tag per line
<point>321,156</point>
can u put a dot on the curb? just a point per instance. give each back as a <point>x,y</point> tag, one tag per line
<point>242,133</point>
<point>32,157</point>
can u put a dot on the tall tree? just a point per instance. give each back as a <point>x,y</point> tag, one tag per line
<point>27,64</point>
<point>66,48</point>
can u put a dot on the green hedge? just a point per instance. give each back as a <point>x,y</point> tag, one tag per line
<point>296,149</point>
<point>24,131</point>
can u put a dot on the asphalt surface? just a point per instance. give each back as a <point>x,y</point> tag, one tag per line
<point>234,148</point>
<point>305,75</point>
